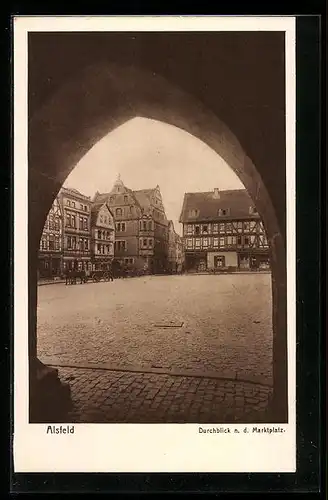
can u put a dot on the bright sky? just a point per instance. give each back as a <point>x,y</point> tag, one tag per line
<point>145,153</point>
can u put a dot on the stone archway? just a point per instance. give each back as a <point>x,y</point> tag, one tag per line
<point>95,102</point>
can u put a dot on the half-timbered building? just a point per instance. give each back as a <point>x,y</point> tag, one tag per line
<point>50,251</point>
<point>222,229</point>
<point>102,236</point>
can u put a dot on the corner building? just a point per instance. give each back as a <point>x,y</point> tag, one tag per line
<point>222,230</point>
<point>50,262</point>
<point>141,227</point>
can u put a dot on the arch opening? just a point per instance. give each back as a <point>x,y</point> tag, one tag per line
<point>104,97</point>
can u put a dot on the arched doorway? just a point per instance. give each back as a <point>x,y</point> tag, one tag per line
<point>95,102</point>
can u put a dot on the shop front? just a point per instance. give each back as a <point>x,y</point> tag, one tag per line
<point>196,262</point>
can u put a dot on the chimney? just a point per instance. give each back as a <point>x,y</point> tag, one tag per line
<point>216,193</point>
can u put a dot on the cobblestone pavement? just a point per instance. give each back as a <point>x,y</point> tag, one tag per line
<point>101,396</point>
<point>214,324</point>
<point>226,323</point>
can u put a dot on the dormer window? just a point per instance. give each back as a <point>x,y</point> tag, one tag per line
<point>223,211</point>
<point>118,212</point>
<point>252,210</point>
<point>193,212</point>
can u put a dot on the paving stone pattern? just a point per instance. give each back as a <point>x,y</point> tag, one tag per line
<point>102,396</point>
<point>226,327</point>
<point>226,323</point>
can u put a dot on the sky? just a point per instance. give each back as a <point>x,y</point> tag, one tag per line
<point>145,153</point>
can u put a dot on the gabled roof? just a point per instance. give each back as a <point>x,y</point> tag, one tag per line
<point>237,201</point>
<point>100,197</point>
<point>74,192</point>
<point>95,209</point>
<point>143,196</point>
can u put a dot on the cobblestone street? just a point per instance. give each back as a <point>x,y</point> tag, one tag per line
<point>161,348</point>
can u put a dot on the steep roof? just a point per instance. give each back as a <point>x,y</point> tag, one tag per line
<point>143,197</point>
<point>95,208</point>
<point>100,197</point>
<point>237,201</point>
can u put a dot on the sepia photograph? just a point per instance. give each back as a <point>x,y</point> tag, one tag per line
<point>157,228</point>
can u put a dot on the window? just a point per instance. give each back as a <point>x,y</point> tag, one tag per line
<point>205,242</point>
<point>68,220</point>
<point>85,208</point>
<point>86,244</point>
<point>234,240</point>
<point>246,227</point>
<point>118,212</point>
<point>219,261</point>
<point>69,242</point>
<point>51,243</point>
<point>57,243</point>
<point>216,242</point>
<point>99,235</point>
<point>197,230</point>
<point>215,228</point>
<point>101,219</point>
<point>197,243</point>
<point>120,245</point>
<point>150,243</point>
<point>229,240</point>
<point>246,241</point>
<point>73,221</point>
<point>222,228</point>
<point>125,199</point>
<point>144,243</point>
<point>189,243</point>
<point>144,225</point>
<point>120,226</point>
<point>81,222</point>
<point>85,223</point>
<point>239,227</point>
<point>44,244</point>
<point>193,213</point>
<point>205,228</point>
<point>222,211</point>
<point>189,229</point>
<point>81,206</point>
<point>252,210</point>
<point>111,199</point>
<point>150,226</point>
<point>73,204</point>
<point>73,242</point>
<point>98,247</point>
<point>228,227</point>
<point>222,243</point>
<point>81,244</point>
<point>239,240</point>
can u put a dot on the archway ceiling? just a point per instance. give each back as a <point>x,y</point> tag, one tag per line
<point>238,76</point>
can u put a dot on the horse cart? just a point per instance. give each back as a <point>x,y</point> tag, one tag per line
<point>100,274</point>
